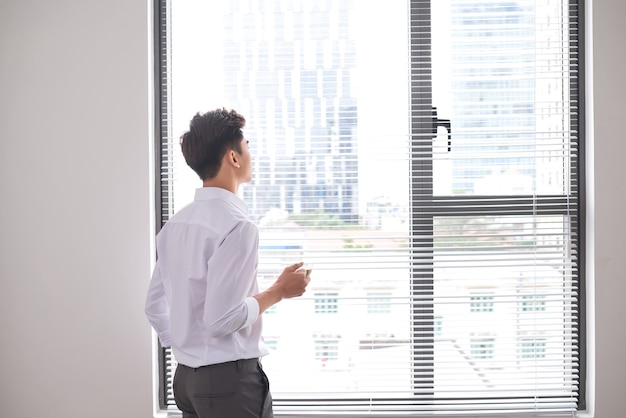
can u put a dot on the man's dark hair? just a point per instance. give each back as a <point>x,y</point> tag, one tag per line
<point>209,137</point>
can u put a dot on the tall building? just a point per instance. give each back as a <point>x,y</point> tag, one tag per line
<point>289,68</point>
<point>493,67</point>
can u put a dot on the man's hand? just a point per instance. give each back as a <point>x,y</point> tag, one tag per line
<point>291,283</point>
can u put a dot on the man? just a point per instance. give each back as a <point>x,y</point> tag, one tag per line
<point>203,299</point>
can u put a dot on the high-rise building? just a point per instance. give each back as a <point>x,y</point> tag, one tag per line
<point>493,67</point>
<point>289,69</point>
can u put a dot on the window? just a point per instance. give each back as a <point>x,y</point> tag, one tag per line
<point>326,350</point>
<point>378,303</point>
<point>482,348</point>
<point>326,303</point>
<point>531,303</point>
<point>533,349</point>
<point>436,155</point>
<point>481,303</point>
<point>438,326</point>
<point>271,343</point>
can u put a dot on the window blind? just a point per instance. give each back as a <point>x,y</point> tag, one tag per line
<point>425,159</point>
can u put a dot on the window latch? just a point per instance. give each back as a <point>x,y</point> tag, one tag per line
<point>444,123</point>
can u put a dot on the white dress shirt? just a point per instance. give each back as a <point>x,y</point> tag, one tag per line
<point>200,296</point>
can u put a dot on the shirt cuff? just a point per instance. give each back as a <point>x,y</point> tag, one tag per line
<point>253,311</point>
<point>164,339</point>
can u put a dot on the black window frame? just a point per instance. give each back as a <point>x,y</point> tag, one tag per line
<point>423,207</point>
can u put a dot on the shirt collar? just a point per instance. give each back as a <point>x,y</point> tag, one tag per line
<point>210,193</point>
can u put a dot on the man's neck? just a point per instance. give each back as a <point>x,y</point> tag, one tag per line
<point>232,185</point>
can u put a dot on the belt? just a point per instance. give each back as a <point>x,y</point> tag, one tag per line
<point>245,364</point>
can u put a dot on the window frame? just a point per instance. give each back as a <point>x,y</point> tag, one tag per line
<point>432,205</point>
<point>164,204</point>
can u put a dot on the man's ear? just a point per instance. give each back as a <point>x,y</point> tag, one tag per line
<point>233,159</point>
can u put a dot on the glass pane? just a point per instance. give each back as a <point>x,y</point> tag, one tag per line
<point>307,77</point>
<point>503,304</point>
<point>501,74</point>
<point>329,138</point>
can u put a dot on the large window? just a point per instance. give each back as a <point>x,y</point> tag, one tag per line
<point>425,157</point>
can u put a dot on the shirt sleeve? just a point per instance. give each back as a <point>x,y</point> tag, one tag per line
<point>157,308</point>
<point>231,278</point>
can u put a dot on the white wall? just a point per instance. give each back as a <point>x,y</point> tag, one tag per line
<point>75,216</point>
<point>75,208</point>
<point>609,68</point>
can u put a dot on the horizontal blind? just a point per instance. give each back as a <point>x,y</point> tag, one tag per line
<point>164,168</point>
<point>423,158</point>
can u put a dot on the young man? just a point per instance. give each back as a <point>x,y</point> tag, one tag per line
<point>203,299</point>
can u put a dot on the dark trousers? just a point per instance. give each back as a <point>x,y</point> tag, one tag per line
<point>236,389</point>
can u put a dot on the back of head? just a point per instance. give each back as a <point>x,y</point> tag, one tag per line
<point>209,137</point>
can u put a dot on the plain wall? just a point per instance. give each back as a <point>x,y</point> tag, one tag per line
<point>76,215</point>
<point>609,205</point>
<point>75,208</point>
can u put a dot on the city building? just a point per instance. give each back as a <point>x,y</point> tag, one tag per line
<point>290,72</point>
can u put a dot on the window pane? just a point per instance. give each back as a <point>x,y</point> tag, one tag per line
<point>501,74</point>
<point>498,310</point>
<point>305,76</point>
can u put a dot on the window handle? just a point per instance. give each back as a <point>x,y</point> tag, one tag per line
<point>442,122</point>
